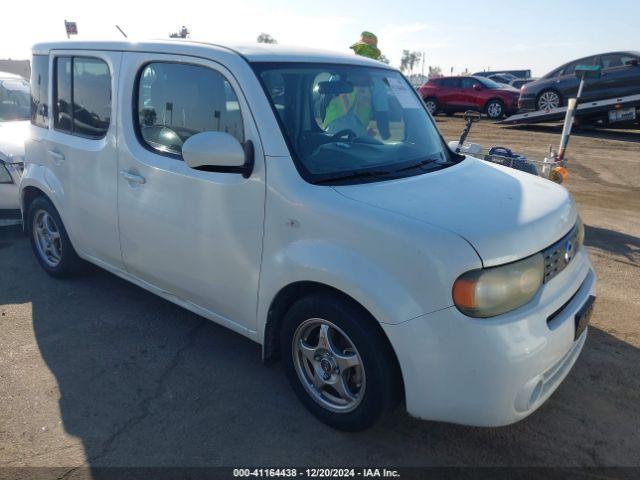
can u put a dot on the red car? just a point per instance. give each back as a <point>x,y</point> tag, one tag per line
<point>458,94</point>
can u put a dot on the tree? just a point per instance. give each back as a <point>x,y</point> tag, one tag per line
<point>266,38</point>
<point>182,33</point>
<point>435,72</point>
<point>384,59</point>
<point>409,60</point>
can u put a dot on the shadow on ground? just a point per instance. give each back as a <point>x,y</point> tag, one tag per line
<point>614,242</point>
<point>145,383</point>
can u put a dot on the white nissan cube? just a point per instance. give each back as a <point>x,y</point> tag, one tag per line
<point>306,200</point>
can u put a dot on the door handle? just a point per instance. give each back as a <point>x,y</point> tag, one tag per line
<point>57,157</point>
<point>132,177</point>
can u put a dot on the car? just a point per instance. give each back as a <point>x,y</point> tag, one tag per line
<point>458,94</point>
<point>15,111</point>
<point>515,73</point>
<point>12,138</point>
<point>519,82</point>
<point>505,78</point>
<point>306,200</point>
<point>620,77</point>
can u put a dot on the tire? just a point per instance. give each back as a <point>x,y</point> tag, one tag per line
<point>547,99</point>
<point>50,242</point>
<point>432,105</point>
<point>494,109</point>
<point>372,381</point>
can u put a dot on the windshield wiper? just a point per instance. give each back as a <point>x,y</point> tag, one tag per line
<point>354,176</point>
<point>418,164</point>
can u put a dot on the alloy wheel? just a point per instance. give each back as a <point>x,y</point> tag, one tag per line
<point>47,238</point>
<point>548,101</point>
<point>431,106</point>
<point>328,365</point>
<point>494,110</point>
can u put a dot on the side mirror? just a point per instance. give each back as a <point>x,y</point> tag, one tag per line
<point>477,87</point>
<point>218,152</point>
<point>633,62</point>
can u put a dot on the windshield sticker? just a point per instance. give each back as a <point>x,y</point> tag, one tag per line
<point>403,93</point>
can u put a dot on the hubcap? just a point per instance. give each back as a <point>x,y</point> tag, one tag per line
<point>47,238</point>
<point>494,110</point>
<point>548,101</point>
<point>328,365</point>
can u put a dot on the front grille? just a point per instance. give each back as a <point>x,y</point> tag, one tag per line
<point>560,254</point>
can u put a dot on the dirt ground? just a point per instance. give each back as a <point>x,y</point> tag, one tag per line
<point>97,372</point>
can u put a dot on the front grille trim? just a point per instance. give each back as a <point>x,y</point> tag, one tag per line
<point>555,256</point>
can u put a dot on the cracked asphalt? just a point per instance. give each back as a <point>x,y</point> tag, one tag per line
<point>97,372</point>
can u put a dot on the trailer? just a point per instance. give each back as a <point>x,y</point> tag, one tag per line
<point>611,111</point>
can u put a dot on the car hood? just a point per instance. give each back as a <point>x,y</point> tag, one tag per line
<point>503,213</point>
<point>12,138</point>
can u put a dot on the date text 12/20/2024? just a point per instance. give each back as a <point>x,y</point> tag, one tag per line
<point>316,472</point>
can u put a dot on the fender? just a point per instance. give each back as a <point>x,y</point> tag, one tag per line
<point>45,180</point>
<point>340,268</point>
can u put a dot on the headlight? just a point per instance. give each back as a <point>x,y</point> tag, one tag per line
<point>491,291</point>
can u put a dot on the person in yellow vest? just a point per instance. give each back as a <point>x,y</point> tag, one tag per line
<point>354,111</point>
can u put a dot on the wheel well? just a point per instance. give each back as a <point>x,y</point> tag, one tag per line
<point>29,194</point>
<point>285,299</point>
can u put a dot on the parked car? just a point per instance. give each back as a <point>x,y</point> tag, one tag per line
<point>505,78</point>
<point>620,77</point>
<point>516,73</point>
<point>12,138</point>
<point>519,82</point>
<point>14,97</point>
<point>372,260</point>
<point>457,94</point>
<point>14,128</point>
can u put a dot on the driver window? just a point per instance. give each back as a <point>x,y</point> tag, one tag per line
<point>176,101</point>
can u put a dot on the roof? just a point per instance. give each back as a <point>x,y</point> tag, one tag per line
<point>257,52</point>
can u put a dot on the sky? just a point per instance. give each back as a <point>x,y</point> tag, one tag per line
<point>459,34</point>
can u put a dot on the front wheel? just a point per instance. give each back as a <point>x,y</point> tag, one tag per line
<point>495,109</point>
<point>548,100</point>
<point>432,105</point>
<point>339,365</point>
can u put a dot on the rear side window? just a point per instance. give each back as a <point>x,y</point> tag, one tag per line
<point>82,96</point>
<point>450,82</point>
<point>176,101</point>
<point>40,90</point>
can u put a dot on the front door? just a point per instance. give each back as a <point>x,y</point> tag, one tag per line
<point>194,234</point>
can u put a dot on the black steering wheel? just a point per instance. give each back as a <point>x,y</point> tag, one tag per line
<point>348,133</point>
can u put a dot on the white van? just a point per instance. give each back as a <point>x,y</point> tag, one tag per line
<point>306,200</point>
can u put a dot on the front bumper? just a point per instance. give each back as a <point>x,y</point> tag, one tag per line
<point>493,372</point>
<point>527,102</point>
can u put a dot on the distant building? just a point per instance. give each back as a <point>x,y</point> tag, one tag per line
<point>17,67</point>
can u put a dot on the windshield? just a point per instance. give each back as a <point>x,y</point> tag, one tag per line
<point>15,100</point>
<point>347,122</point>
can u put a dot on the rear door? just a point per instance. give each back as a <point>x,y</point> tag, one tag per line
<point>81,149</point>
<point>450,96</point>
<point>194,234</point>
